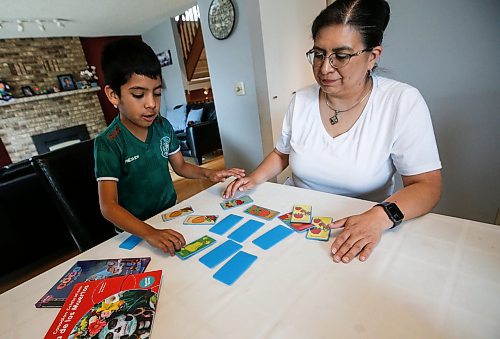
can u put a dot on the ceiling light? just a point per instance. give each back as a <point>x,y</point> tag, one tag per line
<point>1,26</point>
<point>20,26</point>
<point>58,23</point>
<point>40,25</point>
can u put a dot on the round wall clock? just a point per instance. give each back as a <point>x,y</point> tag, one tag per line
<point>221,18</point>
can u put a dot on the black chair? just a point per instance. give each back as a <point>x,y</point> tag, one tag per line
<point>68,176</point>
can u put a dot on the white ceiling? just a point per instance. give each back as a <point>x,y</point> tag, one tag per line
<point>87,18</point>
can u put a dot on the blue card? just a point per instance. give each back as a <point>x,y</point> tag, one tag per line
<point>235,267</point>
<point>130,242</point>
<point>244,231</point>
<point>225,224</point>
<point>221,253</point>
<point>272,237</point>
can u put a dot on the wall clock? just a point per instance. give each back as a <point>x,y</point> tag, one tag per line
<point>221,18</point>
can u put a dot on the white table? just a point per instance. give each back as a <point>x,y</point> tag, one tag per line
<point>434,277</point>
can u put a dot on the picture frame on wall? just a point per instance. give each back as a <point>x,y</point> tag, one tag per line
<point>27,91</point>
<point>165,58</point>
<point>66,82</point>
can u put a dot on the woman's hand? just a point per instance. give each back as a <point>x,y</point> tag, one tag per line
<point>360,235</point>
<point>241,184</point>
<point>222,175</point>
<point>168,240</point>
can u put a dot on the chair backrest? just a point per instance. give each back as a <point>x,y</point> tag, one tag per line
<point>68,176</point>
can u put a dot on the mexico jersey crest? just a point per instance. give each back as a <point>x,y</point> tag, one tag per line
<point>164,146</point>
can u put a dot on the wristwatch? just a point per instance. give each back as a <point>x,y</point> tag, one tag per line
<point>393,212</point>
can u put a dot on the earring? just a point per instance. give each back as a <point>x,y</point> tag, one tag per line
<point>115,106</point>
<point>369,73</point>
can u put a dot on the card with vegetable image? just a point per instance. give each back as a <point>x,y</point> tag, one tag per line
<point>301,214</point>
<point>201,220</point>
<point>177,213</point>
<point>194,247</point>
<point>232,203</point>
<point>261,212</point>
<point>297,226</point>
<point>319,229</point>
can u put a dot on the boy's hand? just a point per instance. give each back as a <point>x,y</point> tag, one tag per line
<point>240,184</point>
<point>168,240</point>
<point>222,175</point>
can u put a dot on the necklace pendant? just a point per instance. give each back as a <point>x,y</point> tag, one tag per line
<point>334,119</point>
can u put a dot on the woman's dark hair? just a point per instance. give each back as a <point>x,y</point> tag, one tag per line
<point>368,17</point>
<point>126,56</point>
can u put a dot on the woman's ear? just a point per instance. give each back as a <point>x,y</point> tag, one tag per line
<point>374,56</point>
<point>112,95</point>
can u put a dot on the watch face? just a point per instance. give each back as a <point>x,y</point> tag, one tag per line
<point>221,18</point>
<point>395,212</point>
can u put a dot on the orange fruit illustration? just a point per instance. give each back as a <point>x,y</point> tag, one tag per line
<point>175,213</point>
<point>199,219</point>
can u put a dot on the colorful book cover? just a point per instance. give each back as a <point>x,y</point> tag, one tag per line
<point>87,270</point>
<point>119,307</point>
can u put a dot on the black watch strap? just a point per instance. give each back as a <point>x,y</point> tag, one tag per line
<point>393,212</point>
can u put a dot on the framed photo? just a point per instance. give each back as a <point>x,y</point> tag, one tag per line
<point>165,58</point>
<point>66,82</point>
<point>27,91</point>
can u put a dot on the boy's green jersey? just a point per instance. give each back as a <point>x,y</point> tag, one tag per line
<point>145,186</point>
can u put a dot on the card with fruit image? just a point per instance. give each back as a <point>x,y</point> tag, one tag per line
<point>232,203</point>
<point>177,213</point>
<point>195,247</point>
<point>261,212</point>
<point>297,226</point>
<point>319,229</point>
<point>201,220</point>
<point>301,214</point>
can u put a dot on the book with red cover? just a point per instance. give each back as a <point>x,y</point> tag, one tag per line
<point>86,270</point>
<point>120,307</point>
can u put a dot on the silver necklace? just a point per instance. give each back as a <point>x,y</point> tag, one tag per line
<point>334,118</point>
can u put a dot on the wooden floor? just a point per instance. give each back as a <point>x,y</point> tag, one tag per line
<point>185,188</point>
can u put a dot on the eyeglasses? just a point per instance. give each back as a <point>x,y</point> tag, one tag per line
<point>336,59</point>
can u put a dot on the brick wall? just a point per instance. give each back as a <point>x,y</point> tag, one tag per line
<point>37,63</point>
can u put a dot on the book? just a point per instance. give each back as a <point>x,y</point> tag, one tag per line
<point>87,270</point>
<point>119,307</point>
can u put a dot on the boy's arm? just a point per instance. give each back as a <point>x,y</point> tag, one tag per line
<point>167,240</point>
<point>187,170</point>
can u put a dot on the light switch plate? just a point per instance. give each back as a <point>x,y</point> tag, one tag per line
<point>239,88</point>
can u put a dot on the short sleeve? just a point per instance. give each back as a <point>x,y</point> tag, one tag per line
<point>107,159</point>
<point>414,150</point>
<point>283,144</point>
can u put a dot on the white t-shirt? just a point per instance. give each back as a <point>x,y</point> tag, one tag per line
<point>393,133</point>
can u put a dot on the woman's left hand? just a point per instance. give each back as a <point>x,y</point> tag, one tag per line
<point>360,235</point>
<point>222,175</point>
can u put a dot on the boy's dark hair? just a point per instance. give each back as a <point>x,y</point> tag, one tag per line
<point>126,56</point>
<point>369,17</point>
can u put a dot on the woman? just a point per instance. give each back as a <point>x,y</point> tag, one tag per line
<point>349,133</point>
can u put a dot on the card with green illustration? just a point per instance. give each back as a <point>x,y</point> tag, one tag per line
<point>195,247</point>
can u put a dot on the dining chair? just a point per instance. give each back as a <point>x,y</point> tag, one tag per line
<point>68,176</point>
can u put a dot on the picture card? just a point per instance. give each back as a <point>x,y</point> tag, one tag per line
<point>232,203</point>
<point>301,214</point>
<point>244,231</point>
<point>177,213</point>
<point>235,267</point>
<point>225,224</point>
<point>319,229</point>
<point>220,253</point>
<point>272,237</point>
<point>261,212</point>
<point>201,220</point>
<point>296,226</point>
<point>194,247</point>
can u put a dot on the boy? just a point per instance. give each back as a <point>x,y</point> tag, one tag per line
<point>132,153</point>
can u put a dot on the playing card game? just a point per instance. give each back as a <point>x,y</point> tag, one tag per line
<point>319,229</point>
<point>232,203</point>
<point>177,213</point>
<point>194,247</point>
<point>201,220</point>
<point>297,226</point>
<point>301,214</point>
<point>261,212</point>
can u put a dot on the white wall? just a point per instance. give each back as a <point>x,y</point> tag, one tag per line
<point>161,38</point>
<point>449,50</point>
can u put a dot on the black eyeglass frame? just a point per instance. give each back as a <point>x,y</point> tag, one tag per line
<point>312,53</point>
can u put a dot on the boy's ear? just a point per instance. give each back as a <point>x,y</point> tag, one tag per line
<point>112,95</point>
